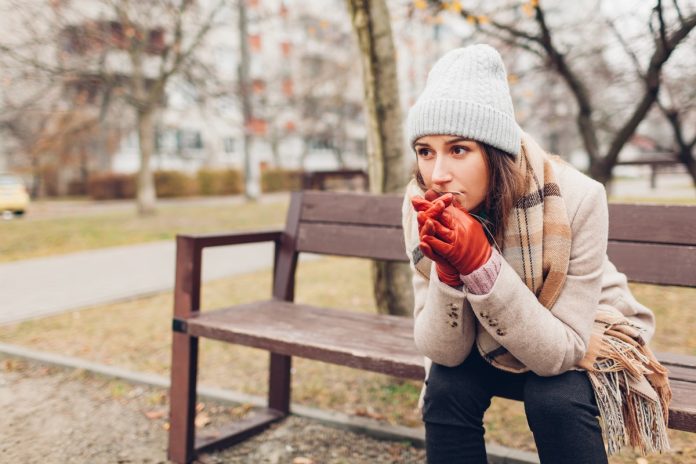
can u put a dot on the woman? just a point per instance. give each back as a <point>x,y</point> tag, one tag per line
<point>514,293</point>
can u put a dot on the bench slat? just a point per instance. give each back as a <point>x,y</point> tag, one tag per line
<point>656,264</point>
<point>686,374</point>
<point>352,208</point>
<point>378,343</point>
<point>673,224</point>
<point>677,359</point>
<point>682,409</point>
<point>385,243</point>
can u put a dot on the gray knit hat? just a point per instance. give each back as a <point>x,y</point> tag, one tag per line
<point>467,94</point>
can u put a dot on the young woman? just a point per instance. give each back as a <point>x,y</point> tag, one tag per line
<point>514,293</point>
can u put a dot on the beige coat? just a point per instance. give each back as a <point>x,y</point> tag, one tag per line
<point>547,342</point>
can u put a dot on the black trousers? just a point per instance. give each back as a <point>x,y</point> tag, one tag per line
<point>561,412</point>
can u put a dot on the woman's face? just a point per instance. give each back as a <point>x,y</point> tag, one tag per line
<point>450,163</point>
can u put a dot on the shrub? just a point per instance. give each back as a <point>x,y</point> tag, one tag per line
<point>77,187</point>
<point>170,184</point>
<point>220,182</point>
<point>110,186</point>
<point>279,180</point>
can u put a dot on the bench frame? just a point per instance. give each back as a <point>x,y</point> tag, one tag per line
<point>625,239</point>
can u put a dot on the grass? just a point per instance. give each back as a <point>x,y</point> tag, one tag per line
<point>136,335</point>
<point>29,239</point>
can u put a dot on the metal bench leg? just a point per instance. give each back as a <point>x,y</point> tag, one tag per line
<point>279,383</point>
<point>182,398</point>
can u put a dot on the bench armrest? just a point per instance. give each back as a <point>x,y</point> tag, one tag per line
<point>233,238</point>
<point>189,252</point>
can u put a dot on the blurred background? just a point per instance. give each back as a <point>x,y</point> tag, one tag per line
<point>123,123</point>
<point>119,99</point>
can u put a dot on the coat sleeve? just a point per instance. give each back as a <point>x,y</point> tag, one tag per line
<point>552,342</point>
<point>444,325</point>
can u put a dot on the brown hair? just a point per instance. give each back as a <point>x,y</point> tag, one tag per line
<point>506,184</point>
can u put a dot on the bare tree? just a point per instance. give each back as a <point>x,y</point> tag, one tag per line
<point>539,38</point>
<point>119,49</point>
<point>372,26</point>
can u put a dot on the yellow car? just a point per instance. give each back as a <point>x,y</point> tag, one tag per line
<point>14,197</point>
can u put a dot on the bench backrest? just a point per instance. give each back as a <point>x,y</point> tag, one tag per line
<point>649,243</point>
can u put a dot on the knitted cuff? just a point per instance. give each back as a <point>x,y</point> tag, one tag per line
<point>481,281</point>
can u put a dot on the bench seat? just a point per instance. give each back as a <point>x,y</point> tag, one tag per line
<point>378,343</point>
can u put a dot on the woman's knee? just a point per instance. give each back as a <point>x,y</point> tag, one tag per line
<point>454,397</point>
<point>555,400</point>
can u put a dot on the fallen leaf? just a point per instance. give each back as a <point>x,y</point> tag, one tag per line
<point>302,460</point>
<point>241,410</point>
<point>166,426</point>
<point>202,420</point>
<point>641,461</point>
<point>152,415</point>
<point>200,407</point>
<point>369,412</point>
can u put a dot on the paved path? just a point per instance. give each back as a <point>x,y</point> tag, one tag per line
<point>39,287</point>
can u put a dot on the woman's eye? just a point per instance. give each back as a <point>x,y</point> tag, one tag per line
<point>423,152</point>
<point>459,150</point>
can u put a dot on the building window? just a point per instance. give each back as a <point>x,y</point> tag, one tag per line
<point>229,144</point>
<point>258,86</point>
<point>255,42</point>
<point>287,87</point>
<point>189,139</point>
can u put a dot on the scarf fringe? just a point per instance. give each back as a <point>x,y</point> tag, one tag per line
<point>627,415</point>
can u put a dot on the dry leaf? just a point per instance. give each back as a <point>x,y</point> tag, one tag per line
<point>241,410</point>
<point>369,412</point>
<point>200,407</point>
<point>641,461</point>
<point>202,420</point>
<point>302,460</point>
<point>152,415</point>
<point>166,426</point>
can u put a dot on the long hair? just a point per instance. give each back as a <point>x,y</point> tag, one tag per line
<point>506,184</point>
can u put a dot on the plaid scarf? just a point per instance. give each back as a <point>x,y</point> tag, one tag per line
<point>630,385</point>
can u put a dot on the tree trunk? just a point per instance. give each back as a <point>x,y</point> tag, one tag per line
<point>372,26</point>
<point>251,190</point>
<point>147,198</point>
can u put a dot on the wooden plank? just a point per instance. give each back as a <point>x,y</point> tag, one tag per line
<point>238,431</point>
<point>656,264</point>
<point>676,359</point>
<point>386,243</point>
<point>352,208</point>
<point>673,224</point>
<point>378,343</point>
<point>286,253</point>
<point>233,238</point>
<point>682,410</point>
<point>686,374</point>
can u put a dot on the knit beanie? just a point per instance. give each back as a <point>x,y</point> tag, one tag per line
<point>467,94</point>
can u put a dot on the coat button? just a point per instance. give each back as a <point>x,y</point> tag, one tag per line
<point>500,332</point>
<point>453,315</point>
<point>493,322</point>
<point>483,314</point>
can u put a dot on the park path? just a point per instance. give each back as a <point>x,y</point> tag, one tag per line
<point>40,287</point>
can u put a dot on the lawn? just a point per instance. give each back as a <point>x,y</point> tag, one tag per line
<point>21,239</point>
<point>136,335</point>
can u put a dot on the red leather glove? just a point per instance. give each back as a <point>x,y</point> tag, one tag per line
<point>459,238</point>
<point>428,209</point>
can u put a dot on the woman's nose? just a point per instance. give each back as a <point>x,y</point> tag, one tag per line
<point>441,173</point>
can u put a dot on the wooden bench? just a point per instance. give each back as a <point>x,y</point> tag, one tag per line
<point>317,180</point>
<point>653,244</point>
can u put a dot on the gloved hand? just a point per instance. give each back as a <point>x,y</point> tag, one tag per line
<point>456,236</point>
<point>428,208</point>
